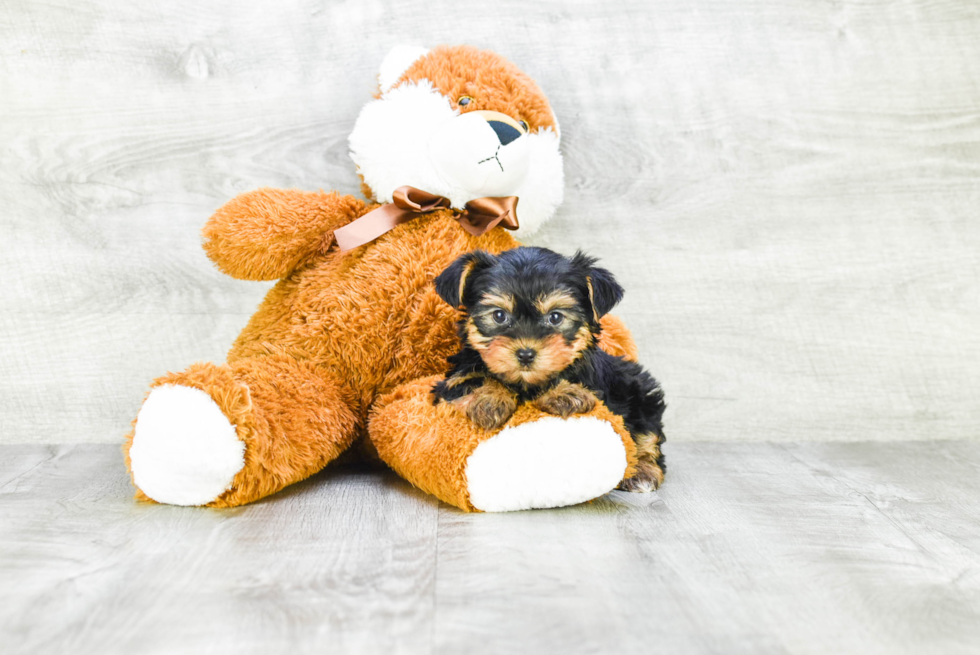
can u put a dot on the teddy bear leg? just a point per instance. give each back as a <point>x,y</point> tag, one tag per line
<point>231,434</point>
<point>536,461</point>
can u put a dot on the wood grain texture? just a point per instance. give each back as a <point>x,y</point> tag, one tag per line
<point>788,191</point>
<point>860,548</point>
<point>89,570</point>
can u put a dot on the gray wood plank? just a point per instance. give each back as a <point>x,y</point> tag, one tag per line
<point>21,460</point>
<point>344,562</point>
<point>750,547</point>
<point>58,365</point>
<point>787,190</point>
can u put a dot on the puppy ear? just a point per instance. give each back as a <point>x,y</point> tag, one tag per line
<point>604,291</point>
<point>451,283</point>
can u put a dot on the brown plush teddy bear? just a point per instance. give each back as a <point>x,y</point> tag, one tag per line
<point>346,347</point>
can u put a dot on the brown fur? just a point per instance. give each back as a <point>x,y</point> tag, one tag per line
<point>476,337</point>
<point>493,82</point>
<point>649,476</point>
<point>503,300</point>
<point>428,444</point>
<point>344,344</point>
<point>554,355</point>
<point>265,234</point>
<point>565,399</point>
<point>616,339</point>
<point>555,300</point>
<point>592,298</point>
<point>489,406</point>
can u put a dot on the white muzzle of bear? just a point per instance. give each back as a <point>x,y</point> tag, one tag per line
<point>484,152</point>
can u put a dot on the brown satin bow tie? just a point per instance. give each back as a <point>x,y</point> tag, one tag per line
<point>479,216</point>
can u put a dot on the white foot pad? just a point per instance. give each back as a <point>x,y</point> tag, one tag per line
<point>185,451</point>
<point>551,462</point>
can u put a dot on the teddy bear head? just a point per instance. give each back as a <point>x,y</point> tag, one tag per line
<point>461,123</point>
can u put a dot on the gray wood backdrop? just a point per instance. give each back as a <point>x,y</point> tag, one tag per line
<point>788,190</point>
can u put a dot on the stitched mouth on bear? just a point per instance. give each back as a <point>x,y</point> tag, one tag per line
<point>494,158</point>
<point>485,155</point>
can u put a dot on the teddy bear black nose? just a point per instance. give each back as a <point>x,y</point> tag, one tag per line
<point>505,133</point>
<point>525,356</point>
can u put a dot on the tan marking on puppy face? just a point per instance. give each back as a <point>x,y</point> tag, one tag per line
<point>501,358</point>
<point>554,355</point>
<point>476,339</point>
<point>490,81</point>
<point>557,299</point>
<point>504,301</point>
<point>583,339</point>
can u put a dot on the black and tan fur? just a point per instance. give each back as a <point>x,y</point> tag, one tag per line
<point>529,330</point>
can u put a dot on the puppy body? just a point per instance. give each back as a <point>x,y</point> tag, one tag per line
<point>529,331</point>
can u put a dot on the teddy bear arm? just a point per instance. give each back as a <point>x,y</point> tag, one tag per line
<point>267,233</point>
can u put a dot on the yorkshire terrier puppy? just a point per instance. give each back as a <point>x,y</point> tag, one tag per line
<point>529,331</point>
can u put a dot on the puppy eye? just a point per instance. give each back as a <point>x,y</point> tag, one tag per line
<point>556,318</point>
<point>523,124</point>
<point>499,316</point>
<point>464,100</point>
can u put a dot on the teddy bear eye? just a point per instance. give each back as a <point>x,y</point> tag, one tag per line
<point>523,124</point>
<point>556,318</point>
<point>499,316</point>
<point>464,100</point>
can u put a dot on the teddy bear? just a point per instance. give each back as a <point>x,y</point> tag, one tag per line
<point>458,150</point>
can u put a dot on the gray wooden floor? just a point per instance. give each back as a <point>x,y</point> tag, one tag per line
<point>750,548</point>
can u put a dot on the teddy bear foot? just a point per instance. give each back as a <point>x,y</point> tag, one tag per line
<point>537,461</point>
<point>551,462</point>
<point>184,450</point>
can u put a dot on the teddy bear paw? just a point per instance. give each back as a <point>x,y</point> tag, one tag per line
<point>551,462</point>
<point>185,451</point>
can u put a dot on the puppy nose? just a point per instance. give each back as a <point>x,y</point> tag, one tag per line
<point>525,356</point>
<point>505,133</point>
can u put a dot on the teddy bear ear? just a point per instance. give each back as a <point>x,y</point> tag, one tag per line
<point>397,62</point>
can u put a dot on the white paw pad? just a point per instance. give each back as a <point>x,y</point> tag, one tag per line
<point>185,451</point>
<point>551,462</point>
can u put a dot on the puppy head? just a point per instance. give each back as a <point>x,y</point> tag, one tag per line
<point>529,312</point>
<point>461,123</point>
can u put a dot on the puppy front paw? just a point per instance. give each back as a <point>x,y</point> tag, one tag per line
<point>489,406</point>
<point>566,399</point>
